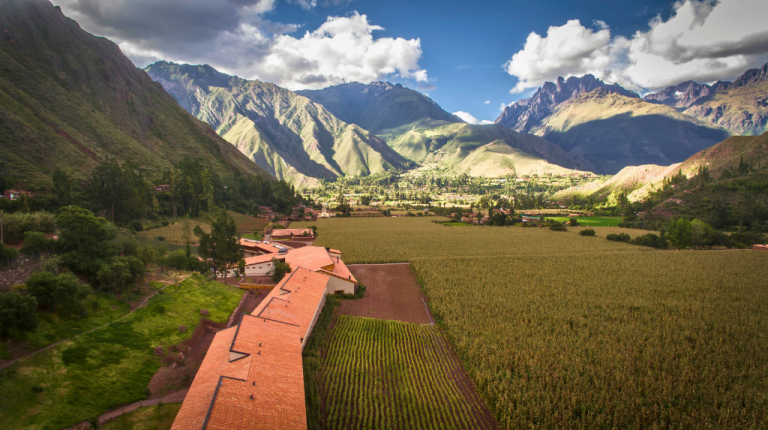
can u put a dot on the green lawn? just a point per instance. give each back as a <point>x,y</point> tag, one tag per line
<point>79,380</point>
<point>590,221</point>
<point>158,417</point>
<point>102,309</point>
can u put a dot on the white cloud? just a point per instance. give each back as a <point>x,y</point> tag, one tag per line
<point>702,41</point>
<point>469,119</point>
<point>487,102</point>
<point>570,49</point>
<point>233,36</point>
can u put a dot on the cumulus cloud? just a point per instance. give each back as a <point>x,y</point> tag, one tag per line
<point>234,37</point>
<point>702,41</point>
<point>469,119</point>
<point>487,102</point>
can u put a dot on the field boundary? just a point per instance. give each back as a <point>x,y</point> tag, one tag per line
<point>175,397</point>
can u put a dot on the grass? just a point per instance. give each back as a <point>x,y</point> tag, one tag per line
<point>591,221</point>
<point>173,233</point>
<point>80,379</point>
<point>563,331</point>
<point>102,309</point>
<point>248,223</point>
<point>158,417</point>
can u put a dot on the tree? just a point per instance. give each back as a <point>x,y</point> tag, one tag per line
<point>115,276</point>
<point>702,234</point>
<point>679,233</point>
<point>281,268</point>
<point>62,187</point>
<point>62,293</point>
<point>35,242</point>
<point>574,221</point>
<point>17,313</point>
<point>220,246</point>
<point>85,239</point>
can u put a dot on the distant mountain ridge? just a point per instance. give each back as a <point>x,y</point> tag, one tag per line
<point>740,106</point>
<point>72,100</point>
<point>286,134</point>
<point>523,115</point>
<point>379,106</point>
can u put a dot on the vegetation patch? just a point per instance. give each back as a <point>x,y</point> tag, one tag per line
<point>563,331</point>
<point>158,417</point>
<point>81,379</point>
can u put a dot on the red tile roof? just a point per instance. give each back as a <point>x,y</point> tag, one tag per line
<point>265,258</point>
<point>309,257</point>
<point>252,376</point>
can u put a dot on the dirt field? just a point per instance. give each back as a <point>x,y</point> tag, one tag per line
<point>391,293</point>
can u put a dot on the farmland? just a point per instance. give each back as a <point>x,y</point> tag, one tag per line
<point>83,377</point>
<point>390,374</point>
<point>560,330</point>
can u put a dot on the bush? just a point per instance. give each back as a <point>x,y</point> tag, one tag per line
<point>165,223</point>
<point>8,252</point>
<point>556,226</point>
<point>15,224</point>
<point>650,240</point>
<point>587,232</point>
<point>281,268</point>
<point>62,293</point>
<point>35,242</point>
<point>622,237</point>
<point>136,225</point>
<point>19,313</point>
<point>574,221</point>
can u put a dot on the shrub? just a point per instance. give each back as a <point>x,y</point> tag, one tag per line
<point>62,293</point>
<point>19,313</point>
<point>136,225</point>
<point>650,240</point>
<point>281,268</point>
<point>50,264</point>
<point>15,224</point>
<point>622,237</point>
<point>556,226</point>
<point>164,223</point>
<point>35,242</point>
<point>160,238</point>
<point>574,221</point>
<point>587,232</point>
<point>8,252</point>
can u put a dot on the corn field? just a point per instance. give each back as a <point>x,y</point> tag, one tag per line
<point>393,375</point>
<point>15,224</point>
<point>565,331</point>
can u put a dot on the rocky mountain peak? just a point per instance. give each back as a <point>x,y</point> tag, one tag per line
<point>524,114</point>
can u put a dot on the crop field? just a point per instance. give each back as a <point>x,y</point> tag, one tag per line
<point>559,330</point>
<point>84,377</point>
<point>389,374</point>
<point>592,221</point>
<point>248,223</point>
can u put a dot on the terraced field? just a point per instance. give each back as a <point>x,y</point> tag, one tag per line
<point>394,375</point>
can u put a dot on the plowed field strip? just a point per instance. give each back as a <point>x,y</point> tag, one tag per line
<point>390,374</point>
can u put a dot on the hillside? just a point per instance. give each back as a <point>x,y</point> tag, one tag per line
<point>286,134</point>
<point>489,150</point>
<point>740,106</point>
<point>608,131</point>
<point>523,115</point>
<point>640,180</point>
<point>72,100</point>
<point>379,106</point>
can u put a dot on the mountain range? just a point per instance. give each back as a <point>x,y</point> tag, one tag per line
<point>72,100</point>
<point>286,134</point>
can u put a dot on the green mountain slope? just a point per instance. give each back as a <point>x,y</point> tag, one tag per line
<point>609,131</point>
<point>284,133</point>
<point>69,99</point>
<point>379,106</point>
<point>638,181</point>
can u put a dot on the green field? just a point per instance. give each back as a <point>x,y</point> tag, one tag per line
<point>590,221</point>
<point>563,331</point>
<point>391,374</point>
<point>80,379</point>
<point>158,417</point>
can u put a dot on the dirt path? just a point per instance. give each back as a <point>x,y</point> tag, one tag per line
<point>33,353</point>
<point>391,293</point>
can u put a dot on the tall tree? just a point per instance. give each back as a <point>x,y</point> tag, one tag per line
<point>220,247</point>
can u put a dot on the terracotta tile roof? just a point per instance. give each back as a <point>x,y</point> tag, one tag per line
<point>262,247</point>
<point>252,375</point>
<point>309,257</point>
<point>287,232</point>
<point>265,258</point>
<point>341,270</point>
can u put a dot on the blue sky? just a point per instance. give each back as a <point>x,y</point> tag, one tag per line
<point>460,53</point>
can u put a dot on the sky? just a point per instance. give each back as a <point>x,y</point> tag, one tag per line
<point>472,58</point>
